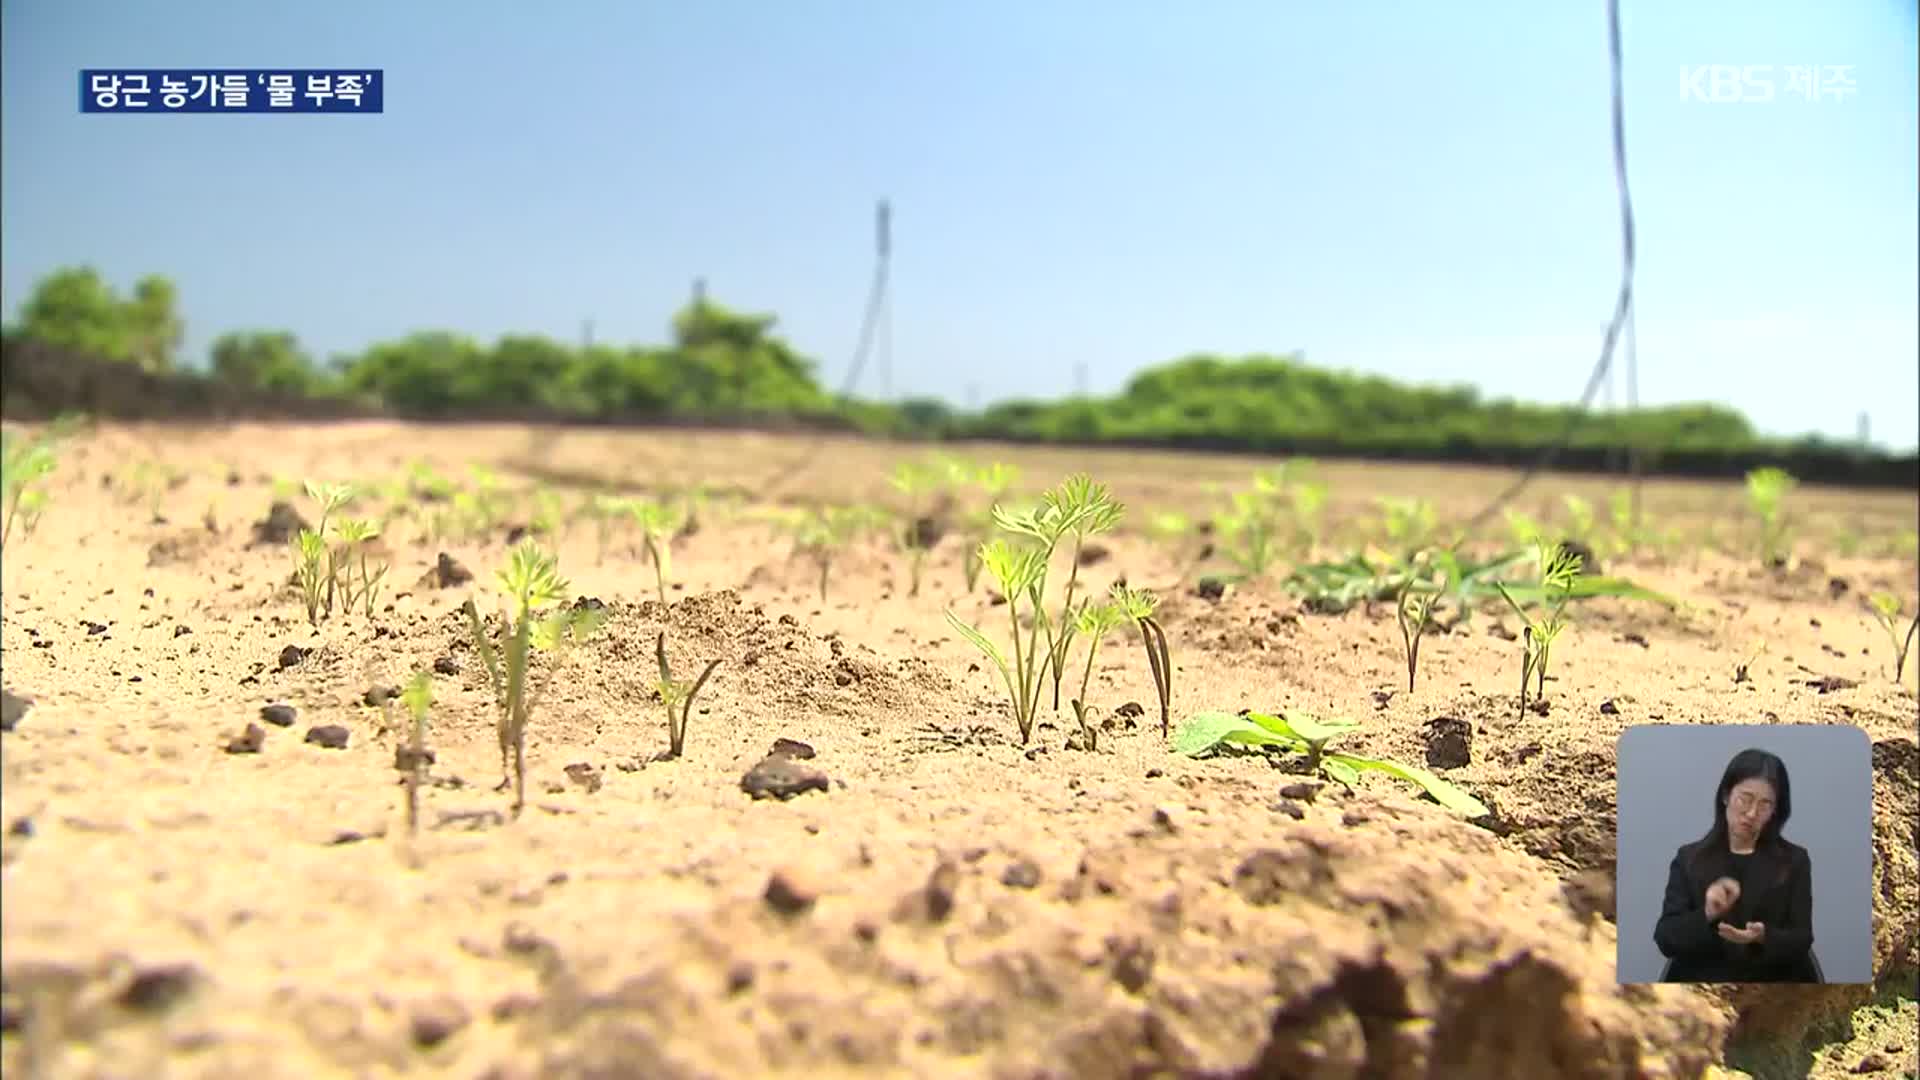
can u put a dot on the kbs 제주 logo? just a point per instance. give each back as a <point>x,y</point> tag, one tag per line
<point>232,90</point>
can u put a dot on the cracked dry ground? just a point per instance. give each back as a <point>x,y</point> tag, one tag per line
<point>947,903</point>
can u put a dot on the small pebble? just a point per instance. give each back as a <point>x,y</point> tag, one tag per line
<point>328,736</point>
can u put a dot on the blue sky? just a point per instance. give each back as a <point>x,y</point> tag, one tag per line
<point>1418,190</point>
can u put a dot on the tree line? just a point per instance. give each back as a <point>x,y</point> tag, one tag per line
<point>724,364</point>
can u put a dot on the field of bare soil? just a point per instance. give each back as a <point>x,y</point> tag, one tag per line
<point>855,867</point>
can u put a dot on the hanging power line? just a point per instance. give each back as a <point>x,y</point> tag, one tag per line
<point>876,317</point>
<point>1623,301</point>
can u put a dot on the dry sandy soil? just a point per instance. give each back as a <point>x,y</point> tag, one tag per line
<point>947,903</point>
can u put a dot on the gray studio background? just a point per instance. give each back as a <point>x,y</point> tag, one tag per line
<point>1667,777</point>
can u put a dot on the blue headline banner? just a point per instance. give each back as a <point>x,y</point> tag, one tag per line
<point>231,90</point>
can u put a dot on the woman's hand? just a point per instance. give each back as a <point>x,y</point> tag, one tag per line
<point>1721,896</point>
<point>1751,934</point>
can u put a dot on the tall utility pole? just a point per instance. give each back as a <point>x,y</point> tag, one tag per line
<point>883,240</point>
<point>586,334</point>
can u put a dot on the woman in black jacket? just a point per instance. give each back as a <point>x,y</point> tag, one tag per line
<point>1739,903</point>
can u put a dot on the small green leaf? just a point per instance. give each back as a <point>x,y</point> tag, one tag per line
<point>1276,724</point>
<point>1315,730</point>
<point>980,642</point>
<point>1443,792</point>
<point>1202,732</point>
<point>1339,769</point>
<point>418,696</point>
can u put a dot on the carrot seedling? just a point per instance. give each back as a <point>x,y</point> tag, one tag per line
<point>1020,572</point>
<point>24,466</point>
<point>1767,490</point>
<point>1248,529</point>
<point>1580,517</point>
<point>1309,736</point>
<point>914,481</point>
<point>824,533</point>
<point>1080,507</point>
<point>316,563</point>
<point>605,511</point>
<point>1525,531</point>
<point>357,536</point>
<point>1138,605</point>
<point>657,523</point>
<point>549,517</point>
<point>1628,531</point>
<point>994,481</point>
<point>1309,502</point>
<point>1413,611</point>
<point>1559,574</point>
<point>1408,522</point>
<point>531,580</point>
<point>677,698</point>
<point>1093,622</point>
<point>1886,610</point>
<point>412,759</point>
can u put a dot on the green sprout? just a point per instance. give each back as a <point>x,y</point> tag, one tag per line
<point>1413,611</point>
<point>479,512</point>
<point>1093,622</point>
<point>151,482</point>
<point>677,698</point>
<point>1019,571</point>
<point>1247,531</point>
<point>531,580</point>
<point>1581,518</point>
<point>1309,501</point>
<point>1886,610</point>
<point>1526,531</point>
<point>994,481</point>
<point>1126,604</point>
<point>1139,606</point>
<point>1304,734</point>
<point>428,485</point>
<point>310,554</point>
<point>1079,507</point>
<point>1740,670</point>
<point>1629,532</point>
<point>915,481</point>
<point>33,504</point>
<point>824,533</point>
<point>1767,489</point>
<point>413,758</point>
<point>657,523</point>
<point>24,466</point>
<point>357,535</point>
<point>317,565</point>
<point>549,516</point>
<point>1559,575</point>
<point>1408,522</point>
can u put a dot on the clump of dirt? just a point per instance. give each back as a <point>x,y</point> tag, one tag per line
<point>280,526</point>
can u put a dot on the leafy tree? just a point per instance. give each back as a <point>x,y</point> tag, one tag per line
<point>267,360</point>
<point>75,308</point>
<point>153,326</point>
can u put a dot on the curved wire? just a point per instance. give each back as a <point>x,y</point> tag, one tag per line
<point>1623,301</point>
<point>869,327</point>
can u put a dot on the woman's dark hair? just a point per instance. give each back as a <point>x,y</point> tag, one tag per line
<point>1748,764</point>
